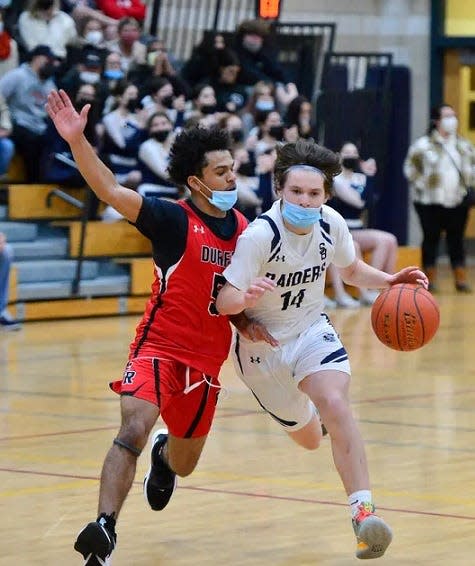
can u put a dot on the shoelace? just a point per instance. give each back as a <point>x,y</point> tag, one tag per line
<point>364,511</point>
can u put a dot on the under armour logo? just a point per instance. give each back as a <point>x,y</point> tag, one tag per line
<point>199,229</point>
<point>255,360</point>
<point>280,258</point>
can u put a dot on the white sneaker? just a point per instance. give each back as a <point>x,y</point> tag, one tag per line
<point>347,302</point>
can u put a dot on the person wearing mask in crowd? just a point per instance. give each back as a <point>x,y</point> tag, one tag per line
<point>9,56</point>
<point>7,147</point>
<point>87,70</point>
<point>112,75</point>
<point>440,167</point>
<point>90,40</point>
<point>277,277</point>
<point>230,95</point>
<point>118,9</point>
<point>124,131</point>
<point>203,110</point>
<point>161,98</point>
<point>352,196</point>
<point>154,154</point>
<point>203,62</point>
<point>132,51</point>
<point>262,99</point>
<point>7,322</point>
<point>299,116</point>
<point>25,90</point>
<point>43,23</point>
<point>268,132</point>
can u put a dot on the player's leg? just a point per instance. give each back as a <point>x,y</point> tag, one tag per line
<point>188,400</point>
<point>329,390</point>
<point>97,540</point>
<point>382,245</point>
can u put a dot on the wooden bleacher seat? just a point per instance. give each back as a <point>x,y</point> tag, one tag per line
<point>30,202</point>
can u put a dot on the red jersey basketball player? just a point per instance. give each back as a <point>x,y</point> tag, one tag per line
<point>181,341</point>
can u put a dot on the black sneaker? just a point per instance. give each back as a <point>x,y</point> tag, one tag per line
<point>96,543</point>
<point>160,482</point>
<point>9,323</point>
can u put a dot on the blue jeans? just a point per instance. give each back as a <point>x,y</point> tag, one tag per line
<point>6,256</point>
<point>7,149</point>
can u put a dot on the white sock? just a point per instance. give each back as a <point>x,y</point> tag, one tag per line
<point>357,498</point>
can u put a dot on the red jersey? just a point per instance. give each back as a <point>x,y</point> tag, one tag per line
<point>180,321</point>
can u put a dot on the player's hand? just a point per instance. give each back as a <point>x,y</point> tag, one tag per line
<point>258,287</point>
<point>68,122</point>
<point>252,330</point>
<point>411,274</point>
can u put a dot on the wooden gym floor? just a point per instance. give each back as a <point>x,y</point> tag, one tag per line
<point>255,498</point>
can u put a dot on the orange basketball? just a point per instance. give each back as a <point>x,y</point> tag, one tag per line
<point>405,317</point>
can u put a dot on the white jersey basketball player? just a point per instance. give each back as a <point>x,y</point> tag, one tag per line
<point>277,275</point>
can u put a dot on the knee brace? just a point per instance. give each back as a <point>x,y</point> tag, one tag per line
<point>135,451</point>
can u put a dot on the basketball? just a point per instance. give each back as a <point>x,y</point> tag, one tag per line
<point>405,317</point>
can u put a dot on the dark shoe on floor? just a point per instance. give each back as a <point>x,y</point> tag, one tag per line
<point>96,543</point>
<point>9,323</point>
<point>463,288</point>
<point>160,482</point>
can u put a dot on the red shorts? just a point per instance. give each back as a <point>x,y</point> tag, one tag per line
<point>185,396</point>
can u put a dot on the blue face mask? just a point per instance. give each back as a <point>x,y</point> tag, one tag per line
<point>114,74</point>
<point>299,216</point>
<point>265,105</point>
<point>223,200</point>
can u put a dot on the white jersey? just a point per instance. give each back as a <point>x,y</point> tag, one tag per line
<point>267,248</point>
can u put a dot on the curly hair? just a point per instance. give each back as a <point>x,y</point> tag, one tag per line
<point>188,152</point>
<point>306,152</point>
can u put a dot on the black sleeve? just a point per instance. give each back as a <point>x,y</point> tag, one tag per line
<point>165,224</point>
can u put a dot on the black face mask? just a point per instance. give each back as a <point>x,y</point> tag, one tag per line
<point>167,101</point>
<point>133,104</point>
<point>247,169</point>
<point>351,163</point>
<point>237,135</point>
<point>160,135</point>
<point>276,132</point>
<point>46,71</point>
<point>208,109</point>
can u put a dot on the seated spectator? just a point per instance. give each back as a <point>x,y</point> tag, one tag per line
<point>268,132</point>
<point>26,90</point>
<point>6,255</point>
<point>90,40</point>
<point>88,70</point>
<point>257,60</point>
<point>81,10</point>
<point>161,98</point>
<point>299,116</point>
<point>153,159</point>
<point>45,24</point>
<point>352,196</point>
<point>204,59</point>
<point>124,131</point>
<point>58,164</point>
<point>203,109</point>
<point>9,58</point>
<point>111,77</point>
<point>132,51</point>
<point>262,99</point>
<point>230,95</point>
<point>118,9</point>
<point>7,148</point>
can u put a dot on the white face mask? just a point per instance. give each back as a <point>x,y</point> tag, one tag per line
<point>89,77</point>
<point>94,37</point>
<point>449,124</point>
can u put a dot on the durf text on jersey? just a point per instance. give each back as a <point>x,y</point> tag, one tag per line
<point>215,256</point>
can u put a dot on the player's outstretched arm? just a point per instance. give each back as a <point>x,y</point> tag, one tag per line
<point>232,301</point>
<point>360,274</point>
<point>70,126</point>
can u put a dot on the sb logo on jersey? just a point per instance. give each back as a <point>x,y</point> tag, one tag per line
<point>129,374</point>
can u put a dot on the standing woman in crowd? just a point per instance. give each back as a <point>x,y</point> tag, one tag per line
<point>440,166</point>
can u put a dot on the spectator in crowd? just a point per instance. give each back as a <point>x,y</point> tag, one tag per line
<point>25,90</point>
<point>7,148</point>
<point>124,131</point>
<point>161,98</point>
<point>153,159</point>
<point>257,60</point>
<point>268,132</point>
<point>230,95</point>
<point>203,62</point>
<point>9,57</point>
<point>262,99</point>
<point>7,322</point>
<point>118,9</point>
<point>81,10</point>
<point>43,23</point>
<point>90,40</point>
<point>352,195</point>
<point>440,166</point>
<point>132,51</point>
<point>112,75</point>
<point>299,116</point>
<point>88,70</point>
<point>204,109</point>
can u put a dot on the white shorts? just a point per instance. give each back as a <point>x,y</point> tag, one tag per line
<point>273,374</point>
